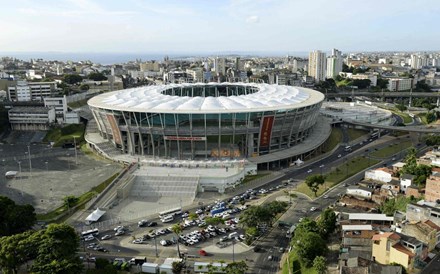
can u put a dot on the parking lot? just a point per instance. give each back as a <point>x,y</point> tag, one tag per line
<point>46,175</point>
<point>197,238</point>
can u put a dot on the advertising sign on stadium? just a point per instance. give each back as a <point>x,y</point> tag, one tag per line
<point>266,131</point>
<point>115,129</point>
<point>184,138</point>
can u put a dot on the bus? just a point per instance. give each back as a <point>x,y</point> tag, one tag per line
<point>93,232</point>
<point>174,211</point>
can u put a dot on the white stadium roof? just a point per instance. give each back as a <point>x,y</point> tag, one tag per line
<point>151,99</point>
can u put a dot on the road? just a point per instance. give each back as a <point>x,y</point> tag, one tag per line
<point>276,238</point>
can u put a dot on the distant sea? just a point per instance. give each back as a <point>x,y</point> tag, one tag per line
<point>115,58</point>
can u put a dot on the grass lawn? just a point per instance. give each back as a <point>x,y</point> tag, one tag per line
<point>249,178</point>
<point>406,118</point>
<point>391,149</point>
<point>333,140</point>
<point>296,266</point>
<point>66,134</point>
<point>353,133</point>
<point>422,117</point>
<point>339,174</point>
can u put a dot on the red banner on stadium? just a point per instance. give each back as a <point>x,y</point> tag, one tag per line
<point>266,131</point>
<point>115,129</point>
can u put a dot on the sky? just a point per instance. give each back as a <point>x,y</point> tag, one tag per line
<point>197,26</point>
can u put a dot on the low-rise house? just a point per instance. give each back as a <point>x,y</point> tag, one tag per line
<point>416,213</point>
<point>432,189</point>
<point>426,231</point>
<point>413,191</point>
<point>392,247</point>
<point>370,218</point>
<point>390,189</point>
<point>406,180</point>
<point>380,174</point>
<point>397,167</point>
<point>359,265</point>
<point>360,191</point>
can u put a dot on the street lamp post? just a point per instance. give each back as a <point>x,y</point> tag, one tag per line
<point>47,169</point>
<point>68,162</point>
<point>76,155</point>
<point>19,170</point>
<point>30,162</point>
<point>233,250</point>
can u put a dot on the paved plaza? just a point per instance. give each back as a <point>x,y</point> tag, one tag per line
<point>49,174</point>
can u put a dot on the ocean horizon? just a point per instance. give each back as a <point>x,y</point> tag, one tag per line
<point>116,58</point>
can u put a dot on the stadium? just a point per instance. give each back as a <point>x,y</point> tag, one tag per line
<point>207,121</point>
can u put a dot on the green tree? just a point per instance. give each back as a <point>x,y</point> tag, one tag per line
<point>84,87</point>
<point>177,267</point>
<point>13,252</point>
<point>327,222</point>
<point>410,161</point>
<point>314,182</point>
<point>213,220</point>
<point>193,216</point>
<point>56,252</point>
<point>177,229</point>
<point>15,218</point>
<point>72,79</point>
<point>382,83</point>
<point>236,268</point>
<point>431,117</point>
<point>319,264</point>
<point>308,246</point>
<point>401,107</point>
<point>70,201</point>
<point>97,76</point>
<point>307,225</point>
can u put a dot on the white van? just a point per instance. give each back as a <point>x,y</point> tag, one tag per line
<point>347,148</point>
<point>167,219</point>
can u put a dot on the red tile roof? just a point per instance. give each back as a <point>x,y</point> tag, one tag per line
<point>402,249</point>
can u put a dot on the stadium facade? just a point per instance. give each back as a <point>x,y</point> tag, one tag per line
<point>205,121</point>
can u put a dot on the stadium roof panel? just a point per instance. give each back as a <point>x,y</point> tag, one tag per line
<point>151,99</point>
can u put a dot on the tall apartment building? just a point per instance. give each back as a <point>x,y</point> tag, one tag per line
<point>418,61</point>
<point>299,64</point>
<point>334,64</point>
<point>317,65</point>
<point>31,91</point>
<point>220,65</point>
<point>196,73</point>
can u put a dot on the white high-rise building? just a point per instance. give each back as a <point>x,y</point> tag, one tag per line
<point>317,65</point>
<point>334,64</point>
<point>418,61</point>
<point>219,65</point>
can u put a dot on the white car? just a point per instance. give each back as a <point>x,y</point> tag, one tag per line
<point>313,208</point>
<point>119,227</point>
<point>119,233</point>
<point>309,171</point>
<point>106,237</point>
<point>242,237</point>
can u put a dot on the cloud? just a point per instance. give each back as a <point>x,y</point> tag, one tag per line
<point>253,19</point>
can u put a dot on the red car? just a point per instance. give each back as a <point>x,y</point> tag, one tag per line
<point>202,252</point>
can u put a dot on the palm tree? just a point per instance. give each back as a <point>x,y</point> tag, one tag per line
<point>177,229</point>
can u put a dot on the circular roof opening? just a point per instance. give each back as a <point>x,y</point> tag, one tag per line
<point>210,90</point>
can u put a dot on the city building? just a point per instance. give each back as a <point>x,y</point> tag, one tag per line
<point>317,65</point>
<point>416,213</point>
<point>380,174</point>
<point>334,64</point>
<point>400,84</point>
<point>31,118</point>
<point>220,65</point>
<point>60,106</point>
<point>418,61</point>
<point>364,76</point>
<point>22,91</point>
<point>149,66</point>
<point>202,121</point>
